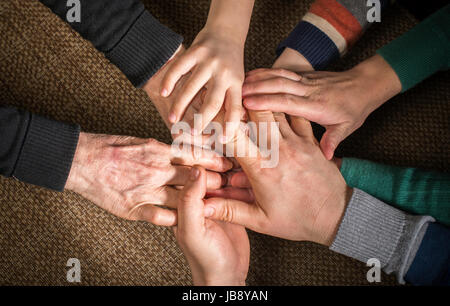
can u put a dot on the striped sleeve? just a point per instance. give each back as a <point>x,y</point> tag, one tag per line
<point>328,30</point>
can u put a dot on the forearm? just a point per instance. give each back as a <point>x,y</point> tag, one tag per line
<point>290,59</point>
<point>231,17</point>
<point>373,229</point>
<point>422,51</point>
<point>129,36</point>
<point>36,150</point>
<point>414,190</point>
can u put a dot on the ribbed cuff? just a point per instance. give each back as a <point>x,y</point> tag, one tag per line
<point>373,229</point>
<point>47,153</point>
<point>369,229</point>
<point>312,43</point>
<point>146,47</point>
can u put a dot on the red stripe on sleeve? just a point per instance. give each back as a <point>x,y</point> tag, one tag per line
<point>339,17</point>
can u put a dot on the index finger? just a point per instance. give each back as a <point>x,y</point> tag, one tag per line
<point>178,68</point>
<point>190,155</point>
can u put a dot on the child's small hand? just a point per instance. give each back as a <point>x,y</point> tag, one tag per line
<point>215,61</point>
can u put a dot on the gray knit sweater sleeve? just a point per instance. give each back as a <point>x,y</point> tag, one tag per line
<point>373,229</point>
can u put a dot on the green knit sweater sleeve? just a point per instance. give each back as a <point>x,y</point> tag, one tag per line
<point>414,190</point>
<point>422,51</point>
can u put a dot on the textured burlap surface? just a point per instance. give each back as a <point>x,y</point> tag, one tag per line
<point>47,68</point>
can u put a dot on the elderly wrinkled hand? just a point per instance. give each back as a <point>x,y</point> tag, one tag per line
<point>130,177</point>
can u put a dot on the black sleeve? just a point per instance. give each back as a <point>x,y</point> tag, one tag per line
<point>36,150</point>
<point>128,35</point>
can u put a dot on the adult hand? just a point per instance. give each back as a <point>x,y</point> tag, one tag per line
<point>340,101</point>
<point>303,198</point>
<point>128,176</point>
<point>218,253</point>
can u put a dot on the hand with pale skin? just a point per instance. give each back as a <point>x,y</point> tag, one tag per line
<point>339,101</point>
<point>131,177</point>
<point>218,253</point>
<point>214,61</point>
<point>292,60</point>
<point>309,197</point>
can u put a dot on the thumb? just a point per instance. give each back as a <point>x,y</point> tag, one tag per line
<point>234,211</point>
<point>240,180</point>
<point>331,139</point>
<point>246,152</point>
<point>190,208</point>
<point>302,127</point>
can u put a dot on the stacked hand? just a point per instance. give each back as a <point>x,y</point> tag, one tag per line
<point>340,101</point>
<point>130,177</point>
<point>215,62</point>
<point>303,198</point>
<point>218,252</point>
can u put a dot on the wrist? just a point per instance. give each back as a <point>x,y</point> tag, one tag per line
<point>225,33</point>
<point>223,282</point>
<point>153,87</point>
<point>330,216</point>
<point>377,77</point>
<point>217,278</point>
<point>231,17</point>
<point>76,181</point>
<point>292,60</point>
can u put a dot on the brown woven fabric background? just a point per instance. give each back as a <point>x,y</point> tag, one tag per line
<point>47,68</point>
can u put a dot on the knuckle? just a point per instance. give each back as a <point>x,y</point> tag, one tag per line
<point>155,176</point>
<point>227,212</point>
<point>187,197</point>
<point>200,48</point>
<point>280,83</point>
<point>153,143</point>
<point>288,99</point>
<point>154,217</point>
<point>236,108</point>
<point>282,72</point>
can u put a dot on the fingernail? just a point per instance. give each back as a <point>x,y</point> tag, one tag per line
<point>209,211</point>
<point>172,117</point>
<point>164,92</point>
<point>194,174</point>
